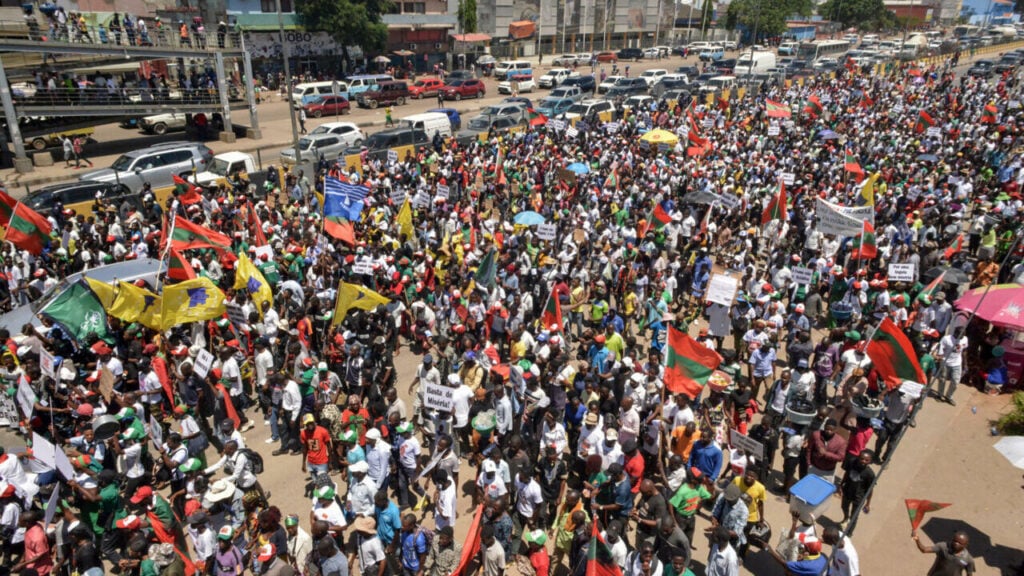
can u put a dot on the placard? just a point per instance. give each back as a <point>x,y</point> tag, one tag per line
<point>572,132</point>
<point>63,465</point>
<point>559,125</point>
<point>721,290</point>
<point>911,388</point>
<point>547,231</point>
<point>709,122</point>
<point>788,178</point>
<point>436,397</point>
<point>203,363</point>
<point>51,505</point>
<point>26,398</point>
<point>746,443</point>
<point>106,384</point>
<point>392,157</point>
<point>236,315</point>
<point>421,200</point>
<point>398,196</point>
<point>841,220</point>
<point>802,275</point>
<point>729,201</point>
<point>443,191</point>
<point>156,433</point>
<point>261,250</point>
<point>362,267</point>
<point>46,364</point>
<point>934,132</point>
<point>44,451</point>
<point>565,175</point>
<point>902,272</point>
<point>774,130</point>
<point>8,411</point>
<point>611,127</point>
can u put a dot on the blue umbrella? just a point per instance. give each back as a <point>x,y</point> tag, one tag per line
<point>578,167</point>
<point>928,158</point>
<point>828,135</point>
<point>528,218</point>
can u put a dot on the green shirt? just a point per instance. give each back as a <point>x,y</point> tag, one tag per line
<point>148,568</point>
<point>598,309</point>
<point>687,499</point>
<point>616,345</point>
<point>107,507</point>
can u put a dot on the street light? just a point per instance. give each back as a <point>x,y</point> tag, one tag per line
<point>287,83</point>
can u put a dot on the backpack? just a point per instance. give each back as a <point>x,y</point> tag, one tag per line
<point>255,460</point>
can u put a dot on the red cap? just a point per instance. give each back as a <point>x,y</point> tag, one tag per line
<point>149,349</point>
<point>141,494</point>
<point>84,410</point>
<point>695,472</point>
<point>101,348</point>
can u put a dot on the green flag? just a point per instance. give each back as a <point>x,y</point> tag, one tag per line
<point>487,270</point>
<point>79,311</point>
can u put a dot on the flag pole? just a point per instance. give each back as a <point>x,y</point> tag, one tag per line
<point>167,248</point>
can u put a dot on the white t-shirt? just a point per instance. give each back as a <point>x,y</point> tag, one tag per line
<point>460,403</point>
<point>952,349</point>
<point>445,507</point>
<point>496,488</point>
<point>844,560</point>
<point>408,452</point>
<point>332,513</point>
<point>529,497</point>
<point>852,359</point>
<point>231,373</point>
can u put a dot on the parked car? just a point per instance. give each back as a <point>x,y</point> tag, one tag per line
<point>626,87</point>
<point>710,53</point>
<point>386,93</point>
<point>313,146</point>
<point>1006,63</point>
<point>669,82</point>
<point>584,58</point>
<point>630,54</point>
<point>458,75</point>
<point>453,116</point>
<point>459,89</point>
<point>327,106</point>
<point>523,83</point>
<point>607,56</point>
<point>378,144</point>
<point>425,88</point>
<point>554,77</point>
<point>522,101</point>
<point>729,44</point>
<point>653,75</point>
<point>515,110</point>
<point>665,51</point>
<point>680,97</point>
<point>981,69</point>
<point>690,71</point>
<point>587,84</point>
<point>724,66</point>
<point>680,50</point>
<point>587,108</point>
<point>156,165</point>
<point>81,196</point>
<point>552,106</point>
<point>349,133</point>
<point>607,84</point>
<point>652,53</point>
<point>487,125</point>
<point>174,121</point>
<point>564,60</point>
<point>571,92</point>
<point>638,102</point>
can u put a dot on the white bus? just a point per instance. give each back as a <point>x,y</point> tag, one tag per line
<point>812,51</point>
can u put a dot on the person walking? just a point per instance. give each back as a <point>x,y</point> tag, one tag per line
<point>387,116</point>
<point>950,354</point>
<point>69,151</point>
<point>302,120</point>
<point>79,148</point>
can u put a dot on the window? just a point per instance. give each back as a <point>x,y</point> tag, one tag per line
<point>414,8</point>
<point>83,194</point>
<point>271,6</point>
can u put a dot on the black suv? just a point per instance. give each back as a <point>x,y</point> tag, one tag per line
<point>378,144</point>
<point>385,93</point>
<point>630,54</point>
<point>80,196</point>
<point>626,87</point>
<point>981,69</point>
<point>587,84</point>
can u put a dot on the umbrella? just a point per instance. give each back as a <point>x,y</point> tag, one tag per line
<point>528,218</point>
<point>928,158</point>
<point>828,134</point>
<point>1012,448</point>
<point>1002,306</point>
<point>578,168</point>
<point>954,276</point>
<point>660,137</point>
<point>382,60</point>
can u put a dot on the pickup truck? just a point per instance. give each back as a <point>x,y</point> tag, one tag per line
<point>227,166</point>
<point>41,142</point>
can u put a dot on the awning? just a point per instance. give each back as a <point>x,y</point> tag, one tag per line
<point>471,37</point>
<point>404,53</point>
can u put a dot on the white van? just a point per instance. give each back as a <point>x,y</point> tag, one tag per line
<point>359,84</point>
<point>303,94</point>
<point>430,122</point>
<point>506,67</point>
<point>719,83</point>
<point>754,63</point>
<point>788,48</point>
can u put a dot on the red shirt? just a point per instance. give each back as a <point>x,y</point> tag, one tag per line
<point>35,544</point>
<point>540,561</point>
<point>363,416</point>
<point>316,445</point>
<point>635,468</point>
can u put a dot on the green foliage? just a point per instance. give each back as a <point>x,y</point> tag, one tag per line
<point>707,13</point>
<point>467,16</point>
<point>1012,423</point>
<point>768,16</point>
<point>864,14</point>
<point>349,22</point>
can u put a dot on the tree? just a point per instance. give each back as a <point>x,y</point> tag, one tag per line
<point>467,16</point>
<point>768,16</point>
<point>349,22</point>
<point>864,14</point>
<point>707,13</point>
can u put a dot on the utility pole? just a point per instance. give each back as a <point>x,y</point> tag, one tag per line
<point>288,83</point>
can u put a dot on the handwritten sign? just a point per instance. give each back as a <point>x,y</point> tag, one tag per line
<point>437,397</point>
<point>236,315</point>
<point>362,267</point>
<point>709,122</point>
<point>203,363</point>
<point>547,231</point>
<point>442,191</point>
<point>392,157</point>
<point>729,201</point>
<point>46,364</point>
<point>934,132</point>
<point>774,130</point>
<point>746,443</point>
<point>802,275</point>
<point>842,220</point>
<point>902,272</point>
<point>611,127</point>
<point>421,200</point>
<point>788,178</point>
<point>26,398</point>
<point>721,290</point>
<point>398,197</point>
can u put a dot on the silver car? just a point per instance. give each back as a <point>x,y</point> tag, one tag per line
<point>313,146</point>
<point>157,165</point>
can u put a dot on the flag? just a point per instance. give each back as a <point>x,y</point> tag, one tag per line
<point>191,301</point>
<point>924,121</point>
<point>404,220</point>
<point>955,248</point>
<point>893,355</point>
<point>135,304</point>
<point>355,296</point>
<point>813,106</point>
<point>536,118</point>
<point>343,200</point>
<point>186,192</point>
<point>487,270</point>
<point>916,509</point>
<point>26,228</point>
<point>178,267</point>
<point>185,234</point>
<point>933,285</point>
<point>866,101</point>
<point>7,205</point>
<point>599,555</point>
<point>688,363</point>
<point>867,190</point>
<point>339,227</point>
<point>351,193</point>
<point>775,109</point>
<point>864,244</point>
<point>613,177</point>
<point>79,311</point>
<point>988,115</point>
<point>249,277</point>
<point>851,165</point>
<point>471,545</point>
<point>776,209</point>
<point>103,291</point>
<point>661,214</point>
<point>256,227</point>
<point>552,312</point>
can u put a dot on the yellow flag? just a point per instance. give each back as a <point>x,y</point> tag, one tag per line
<point>105,292</point>
<point>191,301</point>
<point>867,189</point>
<point>248,276</point>
<point>404,220</point>
<point>355,296</point>
<point>134,304</point>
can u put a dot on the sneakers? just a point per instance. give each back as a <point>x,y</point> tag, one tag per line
<point>950,400</point>
<point>271,440</point>
<point>266,422</point>
<point>248,426</point>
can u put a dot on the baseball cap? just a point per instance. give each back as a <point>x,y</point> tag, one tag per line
<point>267,553</point>
<point>191,465</point>
<point>373,434</point>
<point>360,466</point>
<point>611,434</point>
<point>308,419</point>
<point>325,493</point>
<point>225,533</point>
<point>489,467</point>
<point>732,493</point>
<point>141,494</point>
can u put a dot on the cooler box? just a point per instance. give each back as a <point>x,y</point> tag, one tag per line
<point>811,494</point>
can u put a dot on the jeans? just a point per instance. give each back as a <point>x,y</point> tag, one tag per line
<point>315,469</point>
<point>275,431</point>
<point>405,484</point>
<point>575,320</point>
<point>290,433</point>
<point>948,375</point>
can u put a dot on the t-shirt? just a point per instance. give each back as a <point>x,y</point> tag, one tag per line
<point>810,566</point>
<point>414,544</point>
<point>757,494</point>
<point>683,442</point>
<point>844,560</point>
<point>687,499</point>
<point>316,445</point>
<point>540,561</point>
<point>36,543</point>
<point>946,562</point>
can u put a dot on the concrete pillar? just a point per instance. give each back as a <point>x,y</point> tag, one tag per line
<point>250,95</point>
<point>22,163</point>
<point>225,107</point>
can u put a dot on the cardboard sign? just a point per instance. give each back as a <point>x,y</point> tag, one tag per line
<point>261,250</point>
<point>398,197</point>
<point>51,505</point>
<point>567,176</point>
<point>911,388</point>
<point>392,157</point>
<point>572,132</point>
<point>559,125</point>
<point>721,290</point>
<point>421,200</point>
<point>442,191</point>
<point>106,384</point>
<point>788,178</point>
<point>746,443</point>
<point>26,398</point>
<point>611,127</point>
<point>46,364</point>
<point>773,130</point>
<point>438,398</point>
<point>902,272</point>
<point>802,275</point>
<point>579,235</point>
<point>203,363</point>
<point>362,267</point>
<point>709,122</point>
<point>64,465</point>
<point>547,231</point>
<point>841,220</point>
<point>236,315</point>
<point>8,411</point>
<point>934,132</point>
<point>156,433</point>
<point>729,201</point>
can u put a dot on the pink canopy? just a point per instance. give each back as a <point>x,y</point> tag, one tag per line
<point>1002,306</point>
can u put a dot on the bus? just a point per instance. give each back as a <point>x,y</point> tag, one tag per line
<point>965,30</point>
<point>812,51</point>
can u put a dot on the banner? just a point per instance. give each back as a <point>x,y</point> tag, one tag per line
<point>842,220</point>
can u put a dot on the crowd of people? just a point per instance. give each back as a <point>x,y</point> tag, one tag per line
<point>539,350</point>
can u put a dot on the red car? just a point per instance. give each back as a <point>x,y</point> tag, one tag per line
<point>607,57</point>
<point>426,87</point>
<point>328,105</point>
<point>469,88</point>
